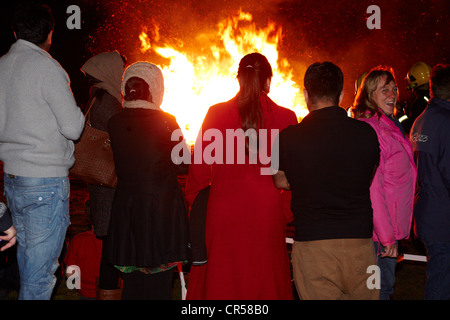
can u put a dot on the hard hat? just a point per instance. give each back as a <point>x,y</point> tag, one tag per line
<point>359,81</point>
<point>418,75</point>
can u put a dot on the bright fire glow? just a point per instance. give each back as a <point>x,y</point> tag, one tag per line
<point>195,82</point>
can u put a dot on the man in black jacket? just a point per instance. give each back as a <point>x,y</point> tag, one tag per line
<point>328,161</point>
<point>430,137</point>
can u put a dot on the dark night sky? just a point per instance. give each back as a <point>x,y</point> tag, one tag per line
<point>313,30</point>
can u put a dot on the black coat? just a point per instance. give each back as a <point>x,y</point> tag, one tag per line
<point>148,224</point>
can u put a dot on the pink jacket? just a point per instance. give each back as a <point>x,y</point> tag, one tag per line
<point>392,189</point>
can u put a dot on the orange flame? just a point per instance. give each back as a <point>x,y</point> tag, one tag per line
<point>195,82</point>
<point>145,42</point>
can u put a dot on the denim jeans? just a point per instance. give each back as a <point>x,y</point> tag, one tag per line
<point>437,285</point>
<point>40,212</point>
<point>387,269</point>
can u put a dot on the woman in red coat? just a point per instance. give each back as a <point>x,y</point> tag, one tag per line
<point>245,224</point>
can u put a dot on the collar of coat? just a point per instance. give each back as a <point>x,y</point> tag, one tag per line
<point>142,104</point>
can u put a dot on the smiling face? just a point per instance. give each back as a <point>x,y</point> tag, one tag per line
<point>385,95</point>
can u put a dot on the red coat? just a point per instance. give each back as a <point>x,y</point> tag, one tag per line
<point>245,222</point>
<point>85,251</point>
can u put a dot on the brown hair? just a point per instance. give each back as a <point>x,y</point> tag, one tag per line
<point>254,70</point>
<point>363,101</point>
<point>253,73</point>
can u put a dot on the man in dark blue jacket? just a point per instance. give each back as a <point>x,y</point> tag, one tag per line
<point>430,136</point>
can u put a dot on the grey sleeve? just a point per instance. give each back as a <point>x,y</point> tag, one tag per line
<point>58,94</point>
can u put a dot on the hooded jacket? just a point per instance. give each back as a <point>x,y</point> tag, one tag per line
<point>392,189</point>
<point>107,68</point>
<point>430,137</point>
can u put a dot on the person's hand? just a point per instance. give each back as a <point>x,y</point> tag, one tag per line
<point>10,237</point>
<point>390,251</point>
<point>280,180</point>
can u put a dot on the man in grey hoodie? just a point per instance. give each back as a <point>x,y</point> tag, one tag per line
<point>39,120</point>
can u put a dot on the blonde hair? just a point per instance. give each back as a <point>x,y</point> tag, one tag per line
<point>364,106</point>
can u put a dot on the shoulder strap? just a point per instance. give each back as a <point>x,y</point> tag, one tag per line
<point>90,106</point>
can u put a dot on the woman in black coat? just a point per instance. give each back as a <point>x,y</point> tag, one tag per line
<point>148,234</point>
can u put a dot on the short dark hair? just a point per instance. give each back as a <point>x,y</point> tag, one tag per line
<point>33,22</point>
<point>440,82</point>
<point>324,81</point>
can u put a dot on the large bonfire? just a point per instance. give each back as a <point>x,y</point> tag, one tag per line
<point>194,82</point>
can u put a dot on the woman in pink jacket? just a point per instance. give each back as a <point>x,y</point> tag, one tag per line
<point>392,190</point>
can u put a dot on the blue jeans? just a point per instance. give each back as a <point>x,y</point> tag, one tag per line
<point>437,285</point>
<point>387,269</point>
<point>40,212</point>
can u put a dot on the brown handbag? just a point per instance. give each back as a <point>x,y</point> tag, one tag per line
<point>94,162</point>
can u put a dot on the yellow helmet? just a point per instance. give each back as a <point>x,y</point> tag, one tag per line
<point>359,81</point>
<point>418,75</point>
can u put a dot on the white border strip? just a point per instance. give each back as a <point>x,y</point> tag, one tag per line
<point>413,257</point>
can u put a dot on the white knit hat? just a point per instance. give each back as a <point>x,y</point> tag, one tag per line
<point>151,74</point>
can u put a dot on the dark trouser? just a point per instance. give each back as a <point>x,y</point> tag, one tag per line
<point>387,267</point>
<point>109,275</point>
<point>141,286</point>
<point>437,285</point>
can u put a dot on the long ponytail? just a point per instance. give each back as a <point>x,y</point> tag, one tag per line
<point>254,77</point>
<point>254,71</point>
